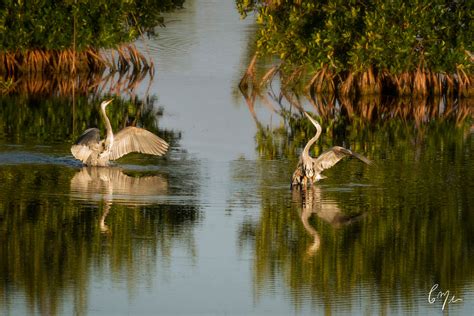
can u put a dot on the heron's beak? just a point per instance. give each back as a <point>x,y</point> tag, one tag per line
<point>311,119</point>
<point>104,104</point>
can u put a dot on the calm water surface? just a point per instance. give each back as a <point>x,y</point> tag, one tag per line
<point>212,228</point>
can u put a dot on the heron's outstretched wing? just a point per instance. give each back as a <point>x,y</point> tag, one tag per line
<point>86,144</point>
<point>134,139</point>
<point>329,158</point>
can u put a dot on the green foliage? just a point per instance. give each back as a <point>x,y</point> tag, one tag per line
<point>52,25</point>
<point>395,36</point>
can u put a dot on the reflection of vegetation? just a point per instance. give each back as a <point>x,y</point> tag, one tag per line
<point>417,229</point>
<point>363,47</point>
<point>44,36</point>
<point>53,119</point>
<point>343,120</point>
<point>51,246</point>
<point>72,84</point>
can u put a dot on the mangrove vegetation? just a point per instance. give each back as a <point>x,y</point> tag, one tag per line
<point>77,36</point>
<point>364,47</point>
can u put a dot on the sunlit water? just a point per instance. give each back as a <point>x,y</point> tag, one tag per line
<point>213,227</point>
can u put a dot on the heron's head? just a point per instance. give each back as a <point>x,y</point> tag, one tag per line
<point>105,103</point>
<point>315,123</point>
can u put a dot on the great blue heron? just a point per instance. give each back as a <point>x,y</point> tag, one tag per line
<point>309,169</point>
<point>93,151</point>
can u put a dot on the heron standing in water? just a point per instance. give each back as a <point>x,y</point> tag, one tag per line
<point>309,169</point>
<point>93,151</point>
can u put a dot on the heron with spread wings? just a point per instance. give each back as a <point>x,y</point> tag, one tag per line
<point>309,169</point>
<point>93,151</point>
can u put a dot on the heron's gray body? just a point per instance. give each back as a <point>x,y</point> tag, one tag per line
<point>90,149</point>
<point>93,151</point>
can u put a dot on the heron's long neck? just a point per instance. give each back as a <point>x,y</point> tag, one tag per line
<point>109,139</point>
<point>312,141</point>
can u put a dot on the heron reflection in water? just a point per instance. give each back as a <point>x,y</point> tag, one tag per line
<point>326,209</point>
<point>93,151</point>
<point>112,185</point>
<point>309,169</point>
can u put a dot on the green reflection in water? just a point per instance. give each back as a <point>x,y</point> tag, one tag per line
<point>385,233</point>
<point>37,120</point>
<point>59,225</point>
<point>50,125</point>
<point>371,126</point>
<point>42,130</point>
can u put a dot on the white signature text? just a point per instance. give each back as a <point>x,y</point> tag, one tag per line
<point>438,295</point>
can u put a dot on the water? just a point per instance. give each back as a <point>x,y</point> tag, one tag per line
<point>212,228</point>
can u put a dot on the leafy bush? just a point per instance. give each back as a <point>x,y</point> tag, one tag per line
<point>52,25</point>
<point>397,36</point>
